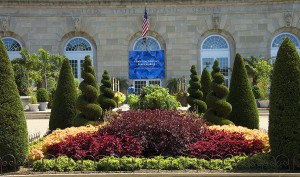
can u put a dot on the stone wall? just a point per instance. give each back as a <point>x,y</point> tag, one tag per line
<point>180,26</point>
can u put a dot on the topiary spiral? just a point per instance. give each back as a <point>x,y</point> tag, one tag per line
<point>87,104</point>
<point>219,108</point>
<point>106,98</point>
<point>195,94</point>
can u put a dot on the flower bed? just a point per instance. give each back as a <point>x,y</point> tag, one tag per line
<point>150,133</point>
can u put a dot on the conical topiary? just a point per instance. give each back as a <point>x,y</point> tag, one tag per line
<point>195,94</point>
<point>205,83</point>
<point>244,110</point>
<point>64,108</point>
<point>90,110</point>
<point>13,128</point>
<point>219,108</point>
<point>284,119</point>
<point>106,98</point>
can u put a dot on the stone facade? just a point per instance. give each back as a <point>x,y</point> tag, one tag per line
<point>180,26</point>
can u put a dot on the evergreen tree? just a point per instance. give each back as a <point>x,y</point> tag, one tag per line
<point>106,98</point>
<point>219,109</point>
<point>244,110</point>
<point>64,109</point>
<point>284,119</point>
<point>13,127</point>
<point>205,83</point>
<point>195,94</point>
<point>90,110</point>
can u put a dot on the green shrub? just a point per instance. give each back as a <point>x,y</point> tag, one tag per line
<point>216,100</point>
<point>244,110</point>
<point>42,95</point>
<point>205,83</point>
<point>284,119</point>
<point>256,92</point>
<point>157,97</point>
<point>195,94</point>
<point>13,128</point>
<point>106,98</point>
<point>21,76</point>
<point>133,102</point>
<point>33,99</point>
<point>90,110</point>
<point>64,100</point>
<point>85,165</point>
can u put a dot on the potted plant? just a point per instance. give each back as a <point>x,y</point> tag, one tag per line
<point>42,98</point>
<point>119,98</point>
<point>33,104</point>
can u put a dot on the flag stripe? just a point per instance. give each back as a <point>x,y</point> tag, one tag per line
<point>146,24</point>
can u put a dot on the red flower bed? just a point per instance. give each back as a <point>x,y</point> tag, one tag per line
<point>218,143</point>
<point>96,145</point>
<point>162,132</point>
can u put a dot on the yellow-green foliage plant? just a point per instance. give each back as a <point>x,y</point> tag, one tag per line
<point>244,110</point>
<point>219,108</point>
<point>13,128</point>
<point>284,119</point>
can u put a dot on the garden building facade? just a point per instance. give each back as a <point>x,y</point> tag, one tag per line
<point>185,32</point>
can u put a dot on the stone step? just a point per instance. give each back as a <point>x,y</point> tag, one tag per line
<point>37,115</point>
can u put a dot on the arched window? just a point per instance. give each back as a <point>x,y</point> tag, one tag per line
<point>141,45</point>
<point>75,50</point>
<point>13,47</point>
<point>151,44</point>
<point>277,40</point>
<point>216,47</point>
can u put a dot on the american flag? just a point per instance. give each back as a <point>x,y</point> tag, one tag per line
<point>146,24</point>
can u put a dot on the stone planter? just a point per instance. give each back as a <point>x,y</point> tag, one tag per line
<point>33,107</point>
<point>43,106</point>
<point>264,103</point>
<point>25,102</point>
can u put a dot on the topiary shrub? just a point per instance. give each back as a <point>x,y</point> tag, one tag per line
<point>156,97</point>
<point>106,98</point>
<point>90,110</point>
<point>195,94</point>
<point>64,101</point>
<point>216,100</point>
<point>205,83</point>
<point>42,95</point>
<point>284,119</point>
<point>244,110</point>
<point>13,128</point>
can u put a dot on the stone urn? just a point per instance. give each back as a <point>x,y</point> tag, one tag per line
<point>264,103</point>
<point>33,107</point>
<point>43,106</point>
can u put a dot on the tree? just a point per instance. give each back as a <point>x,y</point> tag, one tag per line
<point>21,76</point>
<point>205,83</point>
<point>284,119</point>
<point>64,109</point>
<point>13,128</point>
<point>90,110</point>
<point>106,98</point>
<point>244,110</point>
<point>195,94</point>
<point>219,108</point>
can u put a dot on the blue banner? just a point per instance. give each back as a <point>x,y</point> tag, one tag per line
<point>146,64</point>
